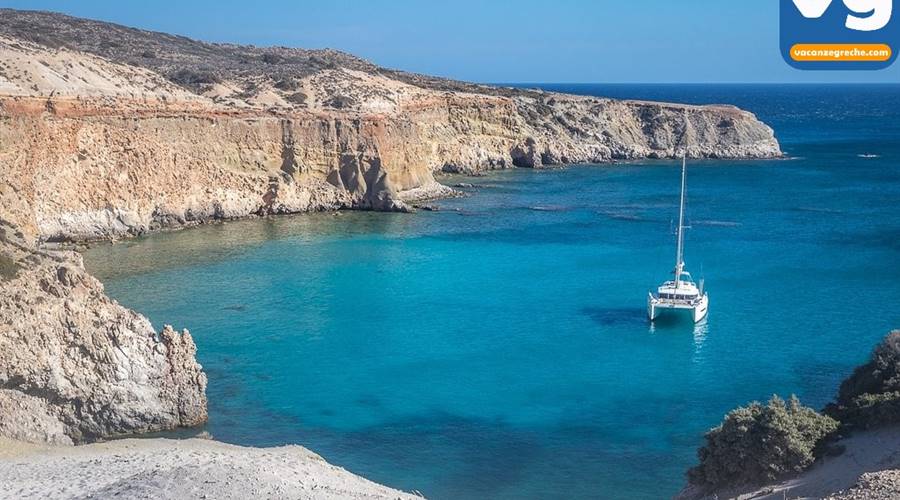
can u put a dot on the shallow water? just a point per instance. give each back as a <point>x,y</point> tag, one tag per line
<point>499,348</point>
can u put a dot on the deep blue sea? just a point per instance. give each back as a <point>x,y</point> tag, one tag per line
<point>498,348</point>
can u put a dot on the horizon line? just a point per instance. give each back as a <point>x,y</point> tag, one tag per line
<point>833,84</point>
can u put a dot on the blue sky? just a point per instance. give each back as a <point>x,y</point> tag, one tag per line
<point>652,41</point>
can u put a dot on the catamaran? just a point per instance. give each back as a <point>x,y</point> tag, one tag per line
<point>680,294</point>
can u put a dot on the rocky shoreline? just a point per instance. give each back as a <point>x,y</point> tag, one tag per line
<point>77,368</point>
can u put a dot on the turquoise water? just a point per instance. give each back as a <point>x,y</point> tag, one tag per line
<point>499,349</point>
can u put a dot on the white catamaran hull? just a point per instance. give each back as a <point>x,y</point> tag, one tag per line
<point>697,311</point>
<point>680,295</point>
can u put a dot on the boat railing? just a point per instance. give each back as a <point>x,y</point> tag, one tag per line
<point>672,300</point>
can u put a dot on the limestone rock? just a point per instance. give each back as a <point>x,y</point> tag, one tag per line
<point>178,469</point>
<point>76,366</point>
<point>882,485</point>
<point>109,131</point>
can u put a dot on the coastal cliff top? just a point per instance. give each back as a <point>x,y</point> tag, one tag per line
<point>37,58</point>
<point>38,48</point>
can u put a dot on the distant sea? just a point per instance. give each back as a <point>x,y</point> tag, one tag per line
<point>498,348</point>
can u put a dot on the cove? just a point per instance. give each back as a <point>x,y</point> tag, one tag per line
<point>498,348</point>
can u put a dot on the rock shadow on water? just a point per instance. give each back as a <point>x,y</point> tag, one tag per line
<point>566,233</point>
<point>369,401</point>
<point>818,210</point>
<point>481,457</point>
<point>616,316</point>
<point>627,216</point>
<point>492,458</point>
<point>817,378</point>
<point>551,208</point>
<point>715,223</point>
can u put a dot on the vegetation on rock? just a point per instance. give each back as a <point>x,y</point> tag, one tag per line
<point>759,443</point>
<point>8,267</point>
<point>870,397</point>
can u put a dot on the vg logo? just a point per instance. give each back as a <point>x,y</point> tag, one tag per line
<point>839,34</point>
<point>866,15</point>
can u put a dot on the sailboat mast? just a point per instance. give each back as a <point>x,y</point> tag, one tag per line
<point>679,255</point>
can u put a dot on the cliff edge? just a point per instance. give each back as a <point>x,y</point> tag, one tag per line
<point>110,131</point>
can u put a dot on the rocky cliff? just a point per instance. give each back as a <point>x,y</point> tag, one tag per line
<point>76,366</point>
<point>108,131</point>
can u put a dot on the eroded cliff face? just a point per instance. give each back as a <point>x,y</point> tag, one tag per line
<point>76,366</point>
<point>96,148</point>
<point>89,173</point>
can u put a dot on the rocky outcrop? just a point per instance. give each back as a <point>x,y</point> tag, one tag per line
<point>109,131</point>
<point>182,469</point>
<point>883,485</point>
<point>76,366</point>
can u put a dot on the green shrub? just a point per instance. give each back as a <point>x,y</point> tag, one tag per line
<point>287,84</point>
<point>870,397</point>
<point>869,410</point>
<point>270,58</point>
<point>297,98</point>
<point>189,77</point>
<point>760,443</point>
<point>8,267</point>
<point>341,102</point>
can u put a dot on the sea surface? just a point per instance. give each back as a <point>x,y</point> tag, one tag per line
<point>499,348</point>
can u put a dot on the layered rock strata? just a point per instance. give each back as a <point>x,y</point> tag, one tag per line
<point>108,131</point>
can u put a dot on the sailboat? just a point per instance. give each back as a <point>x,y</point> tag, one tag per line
<point>680,295</point>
